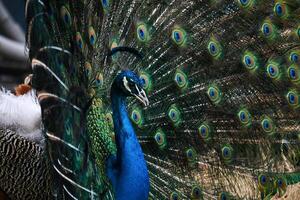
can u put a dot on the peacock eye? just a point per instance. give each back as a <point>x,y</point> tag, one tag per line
<point>160,139</point>
<point>214,48</point>
<point>88,69</point>
<point>223,196</point>
<point>227,153</point>
<point>250,60</point>
<point>293,73</point>
<point>174,196</point>
<point>142,32</point>
<point>280,9</point>
<point>105,4</point>
<point>79,41</point>
<point>99,80</point>
<point>131,83</point>
<point>244,117</point>
<point>136,116</point>
<point>190,154</point>
<point>204,131</point>
<point>196,192</point>
<point>262,180</point>
<point>280,183</point>
<point>214,94</point>
<point>268,30</point>
<point>180,79</point>
<point>65,15</point>
<point>179,36</point>
<point>92,35</point>
<point>293,98</point>
<point>146,80</point>
<point>294,57</point>
<point>273,71</point>
<point>298,31</point>
<point>174,115</point>
<point>267,125</point>
<point>244,2</point>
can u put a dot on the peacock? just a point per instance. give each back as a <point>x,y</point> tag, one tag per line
<point>167,99</point>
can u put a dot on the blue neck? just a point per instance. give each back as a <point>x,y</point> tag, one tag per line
<point>131,179</point>
<point>123,128</point>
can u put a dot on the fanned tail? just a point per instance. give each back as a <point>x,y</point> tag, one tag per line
<point>222,77</point>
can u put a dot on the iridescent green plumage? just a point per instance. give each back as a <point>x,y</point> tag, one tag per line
<point>101,135</point>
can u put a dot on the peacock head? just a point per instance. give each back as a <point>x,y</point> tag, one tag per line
<point>129,83</point>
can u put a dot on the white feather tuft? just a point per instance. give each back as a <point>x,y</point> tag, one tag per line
<point>21,113</point>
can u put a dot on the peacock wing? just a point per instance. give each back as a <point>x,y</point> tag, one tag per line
<point>63,45</point>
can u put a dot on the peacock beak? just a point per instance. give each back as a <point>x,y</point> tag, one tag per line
<point>141,96</point>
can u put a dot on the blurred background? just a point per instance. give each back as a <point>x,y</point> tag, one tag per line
<point>13,53</point>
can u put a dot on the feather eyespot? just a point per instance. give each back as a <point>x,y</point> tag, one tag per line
<point>142,32</point>
<point>190,154</point>
<point>105,4</point>
<point>281,184</point>
<point>174,196</point>
<point>244,117</point>
<point>204,132</point>
<point>293,73</point>
<point>214,94</point>
<point>196,192</point>
<point>88,69</point>
<point>250,61</point>
<point>273,70</point>
<point>267,125</point>
<point>227,152</point>
<point>146,79</point>
<point>293,98</point>
<point>214,48</point>
<point>263,181</point>
<point>223,196</point>
<point>136,116</point>
<point>298,31</point>
<point>99,80</point>
<point>113,45</point>
<point>65,15</point>
<point>246,3</point>
<point>174,115</point>
<point>268,30</point>
<point>79,41</point>
<point>92,35</point>
<point>280,9</point>
<point>294,57</point>
<point>179,36</point>
<point>181,79</point>
<point>160,139</point>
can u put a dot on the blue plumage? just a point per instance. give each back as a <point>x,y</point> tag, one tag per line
<point>127,170</point>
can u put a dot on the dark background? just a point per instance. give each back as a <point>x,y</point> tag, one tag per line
<point>16,9</point>
<point>11,76</point>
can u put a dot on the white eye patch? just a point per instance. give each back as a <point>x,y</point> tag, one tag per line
<point>126,85</point>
